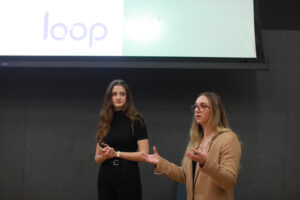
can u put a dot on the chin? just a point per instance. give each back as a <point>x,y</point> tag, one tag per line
<point>198,121</point>
<point>118,105</point>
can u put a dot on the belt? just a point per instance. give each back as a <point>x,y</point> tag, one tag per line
<point>118,161</point>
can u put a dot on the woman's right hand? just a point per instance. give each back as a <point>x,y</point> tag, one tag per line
<point>151,158</point>
<point>103,153</point>
<point>108,152</point>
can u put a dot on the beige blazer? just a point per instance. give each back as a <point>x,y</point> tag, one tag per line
<point>215,180</point>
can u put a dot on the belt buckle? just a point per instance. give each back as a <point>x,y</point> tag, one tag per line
<point>116,162</point>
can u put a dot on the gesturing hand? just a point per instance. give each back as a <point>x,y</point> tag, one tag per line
<point>108,152</point>
<point>199,155</point>
<point>151,158</point>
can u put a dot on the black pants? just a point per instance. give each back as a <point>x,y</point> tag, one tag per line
<point>118,180</point>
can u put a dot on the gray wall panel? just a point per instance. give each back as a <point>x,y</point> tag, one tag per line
<point>293,118</point>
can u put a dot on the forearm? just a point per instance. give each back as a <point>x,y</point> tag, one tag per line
<point>132,156</point>
<point>170,170</point>
<point>143,146</point>
<point>99,158</point>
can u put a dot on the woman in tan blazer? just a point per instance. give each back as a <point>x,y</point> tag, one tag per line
<point>212,159</point>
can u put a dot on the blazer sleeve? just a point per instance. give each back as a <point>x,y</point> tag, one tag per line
<point>224,172</point>
<point>170,170</point>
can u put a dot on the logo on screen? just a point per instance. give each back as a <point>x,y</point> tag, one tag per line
<point>77,31</point>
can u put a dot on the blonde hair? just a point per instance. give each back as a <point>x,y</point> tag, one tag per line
<point>218,121</point>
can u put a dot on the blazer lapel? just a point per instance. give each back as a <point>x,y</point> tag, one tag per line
<point>197,170</point>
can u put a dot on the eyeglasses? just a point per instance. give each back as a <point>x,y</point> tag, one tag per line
<point>201,107</point>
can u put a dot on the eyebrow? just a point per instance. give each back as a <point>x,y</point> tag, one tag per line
<point>201,103</point>
<point>118,92</point>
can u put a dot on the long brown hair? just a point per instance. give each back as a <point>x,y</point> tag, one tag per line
<point>218,121</point>
<point>106,112</point>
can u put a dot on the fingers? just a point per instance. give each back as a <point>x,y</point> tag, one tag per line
<point>201,149</point>
<point>103,145</point>
<point>150,158</point>
<point>199,155</point>
<point>98,147</point>
<point>188,155</point>
<point>154,150</point>
<point>195,151</point>
<point>104,150</point>
<point>111,151</point>
<point>193,154</point>
<point>108,152</point>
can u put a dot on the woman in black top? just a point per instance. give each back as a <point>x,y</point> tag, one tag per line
<point>121,137</point>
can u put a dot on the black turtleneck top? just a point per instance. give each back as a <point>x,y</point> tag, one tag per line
<point>120,135</point>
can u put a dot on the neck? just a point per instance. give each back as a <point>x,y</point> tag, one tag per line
<point>117,109</point>
<point>209,132</point>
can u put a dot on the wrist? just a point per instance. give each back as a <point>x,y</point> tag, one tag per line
<point>118,154</point>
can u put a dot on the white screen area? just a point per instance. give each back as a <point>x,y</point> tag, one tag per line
<point>148,28</point>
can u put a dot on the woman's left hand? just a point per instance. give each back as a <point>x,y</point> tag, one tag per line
<point>199,155</point>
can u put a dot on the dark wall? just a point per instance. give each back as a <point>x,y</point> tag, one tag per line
<point>279,14</point>
<point>48,121</point>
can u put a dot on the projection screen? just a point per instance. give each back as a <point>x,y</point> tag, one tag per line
<point>110,30</point>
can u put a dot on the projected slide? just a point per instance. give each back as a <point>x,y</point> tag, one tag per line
<point>146,28</point>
